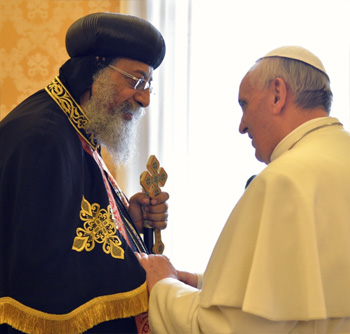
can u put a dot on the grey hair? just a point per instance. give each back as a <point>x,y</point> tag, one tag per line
<point>310,86</point>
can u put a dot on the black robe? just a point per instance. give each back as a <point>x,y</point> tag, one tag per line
<point>46,286</point>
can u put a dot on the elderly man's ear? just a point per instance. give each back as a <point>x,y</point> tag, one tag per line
<point>278,90</point>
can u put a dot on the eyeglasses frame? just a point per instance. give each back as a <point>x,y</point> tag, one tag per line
<point>139,81</point>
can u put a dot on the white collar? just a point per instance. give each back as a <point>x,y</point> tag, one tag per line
<point>300,132</point>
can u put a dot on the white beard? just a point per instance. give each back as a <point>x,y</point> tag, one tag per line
<point>107,124</point>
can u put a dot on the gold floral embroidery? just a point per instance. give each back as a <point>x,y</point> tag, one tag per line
<point>99,228</point>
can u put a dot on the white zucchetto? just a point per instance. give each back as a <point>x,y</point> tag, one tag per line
<point>298,53</point>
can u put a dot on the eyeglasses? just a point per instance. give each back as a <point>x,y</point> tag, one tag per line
<point>141,84</point>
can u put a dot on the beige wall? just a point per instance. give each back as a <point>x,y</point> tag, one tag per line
<point>32,43</point>
<point>32,34</point>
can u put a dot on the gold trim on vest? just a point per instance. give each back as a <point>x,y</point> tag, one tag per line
<point>71,108</point>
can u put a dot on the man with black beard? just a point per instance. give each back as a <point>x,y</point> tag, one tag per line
<point>67,232</point>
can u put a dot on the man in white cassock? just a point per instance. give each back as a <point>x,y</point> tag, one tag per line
<point>282,262</point>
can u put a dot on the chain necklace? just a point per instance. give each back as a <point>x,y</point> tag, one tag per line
<point>312,130</point>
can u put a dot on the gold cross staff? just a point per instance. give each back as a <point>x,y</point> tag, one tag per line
<point>151,181</point>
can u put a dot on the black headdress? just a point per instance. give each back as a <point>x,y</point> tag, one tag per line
<point>107,35</point>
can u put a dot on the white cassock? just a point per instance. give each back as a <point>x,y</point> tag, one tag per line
<point>282,262</point>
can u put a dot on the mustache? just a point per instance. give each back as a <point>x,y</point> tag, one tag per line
<point>127,107</point>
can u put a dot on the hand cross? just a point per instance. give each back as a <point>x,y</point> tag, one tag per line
<point>151,181</point>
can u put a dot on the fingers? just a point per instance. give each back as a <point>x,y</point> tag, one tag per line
<point>139,199</point>
<point>143,258</point>
<point>157,267</point>
<point>141,255</point>
<point>143,199</point>
<point>156,216</point>
<point>156,213</point>
<point>154,261</point>
<point>161,198</point>
<point>156,209</point>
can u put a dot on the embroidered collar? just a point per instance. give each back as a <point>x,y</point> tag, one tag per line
<point>60,94</point>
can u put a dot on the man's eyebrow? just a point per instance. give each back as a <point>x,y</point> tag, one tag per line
<point>143,74</point>
<point>242,102</point>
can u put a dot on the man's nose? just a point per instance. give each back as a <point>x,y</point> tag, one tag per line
<point>142,97</point>
<point>242,127</point>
